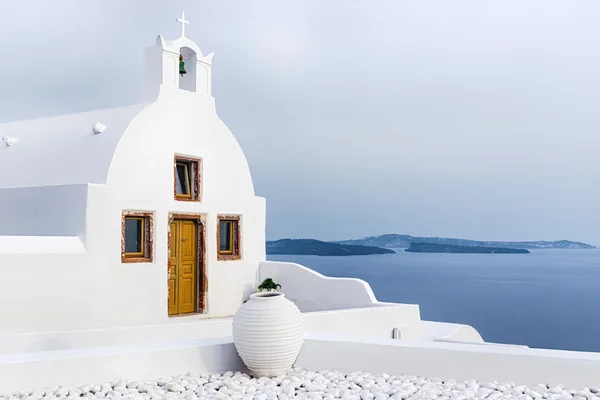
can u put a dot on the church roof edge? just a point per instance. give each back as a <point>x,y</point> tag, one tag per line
<point>98,110</point>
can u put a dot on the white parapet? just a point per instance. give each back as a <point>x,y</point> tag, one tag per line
<point>486,363</point>
<point>417,366</point>
<point>315,293</point>
<point>312,291</point>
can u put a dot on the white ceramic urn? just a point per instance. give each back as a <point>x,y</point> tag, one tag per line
<point>268,331</point>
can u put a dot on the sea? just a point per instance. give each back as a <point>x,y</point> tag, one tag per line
<point>547,299</point>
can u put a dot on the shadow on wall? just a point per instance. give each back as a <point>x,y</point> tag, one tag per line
<point>49,344</point>
<point>248,290</point>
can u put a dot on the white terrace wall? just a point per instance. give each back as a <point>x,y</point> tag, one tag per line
<point>358,323</point>
<point>46,280</point>
<point>147,352</point>
<point>482,362</point>
<point>312,291</point>
<point>144,361</point>
<point>330,301</point>
<point>45,292</point>
<point>74,368</point>
<point>372,322</point>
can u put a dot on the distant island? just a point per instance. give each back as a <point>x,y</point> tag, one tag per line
<point>447,248</point>
<point>396,241</point>
<point>319,248</point>
<point>385,244</point>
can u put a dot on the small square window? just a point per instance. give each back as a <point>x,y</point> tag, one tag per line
<point>187,179</point>
<point>136,237</point>
<point>228,238</point>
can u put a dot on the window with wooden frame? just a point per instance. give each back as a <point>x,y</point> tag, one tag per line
<point>228,238</point>
<point>187,175</point>
<point>136,237</point>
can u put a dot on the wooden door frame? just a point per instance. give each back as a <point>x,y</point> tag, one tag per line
<point>201,276</point>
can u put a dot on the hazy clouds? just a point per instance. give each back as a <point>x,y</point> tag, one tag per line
<point>473,119</point>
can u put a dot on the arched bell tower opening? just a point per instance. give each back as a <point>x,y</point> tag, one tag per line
<point>187,80</point>
<point>178,64</point>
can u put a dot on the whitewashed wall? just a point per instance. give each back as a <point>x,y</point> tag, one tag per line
<point>370,322</point>
<point>44,293</point>
<point>312,291</point>
<point>78,357</point>
<point>74,368</point>
<point>486,363</point>
<point>186,123</point>
<point>145,361</point>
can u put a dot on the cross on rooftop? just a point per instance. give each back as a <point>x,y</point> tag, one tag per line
<point>183,23</point>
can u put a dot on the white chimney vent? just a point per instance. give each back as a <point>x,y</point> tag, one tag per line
<point>9,140</point>
<point>98,128</point>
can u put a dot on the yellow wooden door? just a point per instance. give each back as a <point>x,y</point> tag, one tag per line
<point>173,254</point>
<point>183,267</point>
<point>187,267</point>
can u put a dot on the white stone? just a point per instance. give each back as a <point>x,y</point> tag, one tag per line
<point>175,387</point>
<point>366,395</point>
<point>533,394</point>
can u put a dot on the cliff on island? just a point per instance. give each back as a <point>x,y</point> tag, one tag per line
<point>447,248</point>
<point>318,248</point>
<point>397,241</point>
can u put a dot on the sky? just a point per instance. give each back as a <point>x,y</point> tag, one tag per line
<point>472,119</point>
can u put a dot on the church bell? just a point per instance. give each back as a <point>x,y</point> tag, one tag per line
<point>181,65</point>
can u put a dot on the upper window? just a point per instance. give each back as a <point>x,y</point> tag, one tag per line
<point>187,179</point>
<point>136,237</point>
<point>182,179</point>
<point>228,238</point>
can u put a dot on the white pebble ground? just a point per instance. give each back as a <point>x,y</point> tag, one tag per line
<point>310,385</point>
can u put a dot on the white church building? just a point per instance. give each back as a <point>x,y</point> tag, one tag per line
<point>129,237</point>
<point>129,215</point>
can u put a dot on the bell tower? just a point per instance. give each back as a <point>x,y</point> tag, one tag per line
<point>177,64</point>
